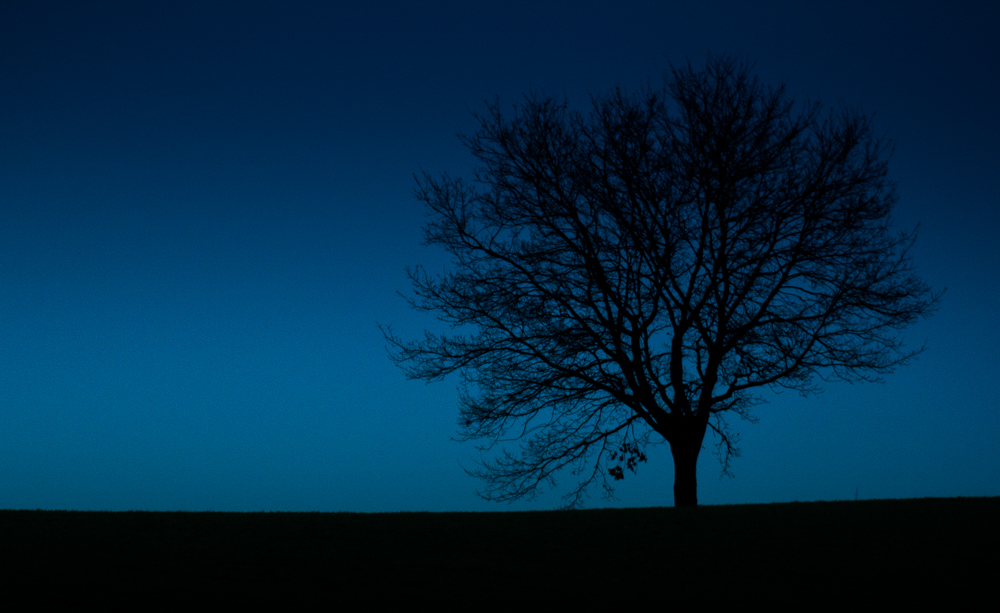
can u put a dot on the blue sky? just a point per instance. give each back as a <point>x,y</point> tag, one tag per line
<point>206,208</point>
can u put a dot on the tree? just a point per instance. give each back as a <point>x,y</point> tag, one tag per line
<point>632,275</point>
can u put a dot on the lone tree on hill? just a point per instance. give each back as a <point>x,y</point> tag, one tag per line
<point>639,271</point>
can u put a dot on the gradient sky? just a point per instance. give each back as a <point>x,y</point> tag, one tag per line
<point>206,208</point>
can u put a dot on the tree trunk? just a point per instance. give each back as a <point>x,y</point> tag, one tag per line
<point>685,477</point>
<point>685,446</point>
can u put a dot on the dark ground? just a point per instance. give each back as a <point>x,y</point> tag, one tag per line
<point>880,554</point>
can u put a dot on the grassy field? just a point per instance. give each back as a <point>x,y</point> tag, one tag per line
<point>890,554</point>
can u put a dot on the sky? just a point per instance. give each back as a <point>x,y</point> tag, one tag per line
<point>207,208</point>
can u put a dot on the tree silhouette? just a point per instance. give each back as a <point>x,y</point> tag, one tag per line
<point>632,275</point>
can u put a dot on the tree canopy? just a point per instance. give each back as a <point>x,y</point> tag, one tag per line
<point>636,273</point>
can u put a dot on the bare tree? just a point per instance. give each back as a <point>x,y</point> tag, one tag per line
<point>632,275</point>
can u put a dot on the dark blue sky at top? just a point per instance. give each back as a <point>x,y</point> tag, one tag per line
<point>206,208</point>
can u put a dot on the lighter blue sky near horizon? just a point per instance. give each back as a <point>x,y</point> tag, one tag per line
<point>205,209</point>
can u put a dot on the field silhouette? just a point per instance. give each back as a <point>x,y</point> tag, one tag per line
<point>919,553</point>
